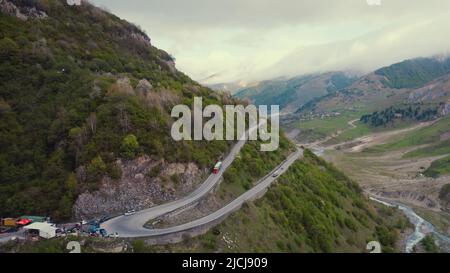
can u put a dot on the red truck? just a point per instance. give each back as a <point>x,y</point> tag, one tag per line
<point>24,222</point>
<point>217,167</point>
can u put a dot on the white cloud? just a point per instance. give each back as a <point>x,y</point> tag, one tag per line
<point>259,39</point>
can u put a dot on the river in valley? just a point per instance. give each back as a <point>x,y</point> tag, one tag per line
<point>422,228</point>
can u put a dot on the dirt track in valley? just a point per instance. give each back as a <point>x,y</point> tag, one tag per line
<point>388,174</point>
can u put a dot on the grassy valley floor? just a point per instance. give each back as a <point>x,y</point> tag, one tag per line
<point>401,165</point>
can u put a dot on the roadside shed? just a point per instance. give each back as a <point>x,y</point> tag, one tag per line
<point>45,230</point>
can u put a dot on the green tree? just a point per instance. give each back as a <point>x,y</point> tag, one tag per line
<point>71,184</point>
<point>429,245</point>
<point>96,169</point>
<point>130,146</point>
<point>8,47</point>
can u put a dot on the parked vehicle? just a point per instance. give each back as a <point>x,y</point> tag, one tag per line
<point>9,230</point>
<point>72,233</point>
<point>93,229</point>
<point>103,232</point>
<point>114,235</point>
<point>24,222</point>
<point>36,219</point>
<point>9,222</point>
<point>130,212</point>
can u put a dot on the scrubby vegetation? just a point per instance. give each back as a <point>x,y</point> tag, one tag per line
<point>438,148</point>
<point>60,245</point>
<point>444,194</point>
<point>319,128</point>
<point>252,164</point>
<point>429,245</point>
<point>427,135</point>
<point>79,89</point>
<point>312,208</point>
<point>439,167</point>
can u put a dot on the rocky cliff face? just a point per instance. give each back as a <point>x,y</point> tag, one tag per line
<point>446,109</point>
<point>22,13</point>
<point>144,183</point>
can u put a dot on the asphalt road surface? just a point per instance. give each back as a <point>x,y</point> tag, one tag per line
<point>133,226</point>
<point>4,238</point>
<point>129,226</point>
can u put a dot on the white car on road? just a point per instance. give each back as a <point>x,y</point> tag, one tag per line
<point>130,212</point>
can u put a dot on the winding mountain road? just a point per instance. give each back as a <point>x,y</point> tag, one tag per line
<point>133,226</point>
<point>130,226</point>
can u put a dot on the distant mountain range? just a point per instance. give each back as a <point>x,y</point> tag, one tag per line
<point>292,93</point>
<point>412,81</point>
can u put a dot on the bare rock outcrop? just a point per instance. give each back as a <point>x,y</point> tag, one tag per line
<point>23,13</point>
<point>143,39</point>
<point>122,86</point>
<point>446,109</point>
<point>143,87</point>
<point>145,182</point>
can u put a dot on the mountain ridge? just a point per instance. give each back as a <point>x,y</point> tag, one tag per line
<point>79,89</point>
<point>381,85</point>
<point>294,92</point>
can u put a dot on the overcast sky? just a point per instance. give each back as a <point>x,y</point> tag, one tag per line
<point>249,40</point>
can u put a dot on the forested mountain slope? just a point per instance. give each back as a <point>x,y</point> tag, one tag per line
<point>80,88</point>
